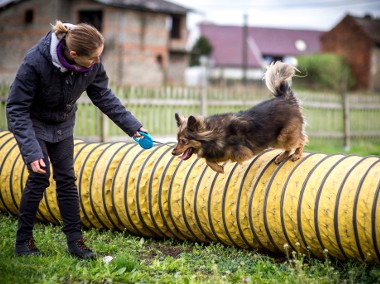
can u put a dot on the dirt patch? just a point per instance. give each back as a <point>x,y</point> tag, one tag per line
<point>158,249</point>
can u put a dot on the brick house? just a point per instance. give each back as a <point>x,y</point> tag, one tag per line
<point>262,46</point>
<point>145,40</point>
<point>358,40</point>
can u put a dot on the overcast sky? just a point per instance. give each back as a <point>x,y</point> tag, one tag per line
<point>308,14</point>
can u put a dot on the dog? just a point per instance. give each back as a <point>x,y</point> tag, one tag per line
<point>237,137</point>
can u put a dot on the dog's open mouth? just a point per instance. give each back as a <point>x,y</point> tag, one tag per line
<point>187,154</point>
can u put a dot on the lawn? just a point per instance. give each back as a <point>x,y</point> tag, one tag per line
<point>363,147</point>
<point>139,260</point>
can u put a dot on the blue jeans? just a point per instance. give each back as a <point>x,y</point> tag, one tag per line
<point>61,157</point>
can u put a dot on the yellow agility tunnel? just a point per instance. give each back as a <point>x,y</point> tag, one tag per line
<point>320,203</point>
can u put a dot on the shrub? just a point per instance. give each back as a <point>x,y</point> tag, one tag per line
<point>324,71</point>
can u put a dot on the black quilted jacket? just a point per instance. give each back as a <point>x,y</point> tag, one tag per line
<point>41,101</point>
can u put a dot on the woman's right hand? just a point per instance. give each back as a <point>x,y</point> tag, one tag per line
<point>37,166</point>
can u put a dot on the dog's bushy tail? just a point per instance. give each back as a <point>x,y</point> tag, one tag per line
<point>277,76</point>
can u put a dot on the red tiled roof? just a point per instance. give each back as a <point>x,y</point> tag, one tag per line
<point>371,26</point>
<point>227,43</point>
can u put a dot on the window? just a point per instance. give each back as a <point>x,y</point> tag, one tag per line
<point>94,18</point>
<point>28,17</point>
<point>175,31</point>
<point>159,59</point>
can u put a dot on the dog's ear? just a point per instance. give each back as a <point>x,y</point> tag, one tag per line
<point>179,119</point>
<point>193,123</point>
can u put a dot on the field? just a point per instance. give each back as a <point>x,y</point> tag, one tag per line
<point>139,260</point>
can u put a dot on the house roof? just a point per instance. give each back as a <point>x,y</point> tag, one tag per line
<point>227,42</point>
<point>370,26</point>
<point>147,5</point>
<point>5,3</point>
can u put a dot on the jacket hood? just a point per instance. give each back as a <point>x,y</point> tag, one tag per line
<point>53,47</point>
<point>43,46</point>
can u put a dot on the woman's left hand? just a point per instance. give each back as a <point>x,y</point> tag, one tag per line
<point>138,135</point>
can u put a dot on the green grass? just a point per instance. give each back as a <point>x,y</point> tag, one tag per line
<point>139,260</point>
<point>363,147</point>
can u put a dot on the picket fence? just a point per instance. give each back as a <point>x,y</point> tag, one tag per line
<point>328,115</point>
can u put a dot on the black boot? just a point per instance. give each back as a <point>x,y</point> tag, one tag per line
<point>79,249</point>
<point>27,247</point>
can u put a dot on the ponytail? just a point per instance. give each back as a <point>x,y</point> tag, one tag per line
<point>59,28</point>
<point>84,39</point>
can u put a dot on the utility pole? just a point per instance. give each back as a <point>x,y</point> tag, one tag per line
<point>244,64</point>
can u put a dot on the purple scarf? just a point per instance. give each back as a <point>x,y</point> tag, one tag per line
<point>67,65</point>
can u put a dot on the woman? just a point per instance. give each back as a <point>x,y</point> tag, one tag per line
<point>41,115</point>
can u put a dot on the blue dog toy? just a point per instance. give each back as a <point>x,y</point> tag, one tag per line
<point>146,142</point>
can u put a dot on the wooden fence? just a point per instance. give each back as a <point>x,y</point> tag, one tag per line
<point>155,108</point>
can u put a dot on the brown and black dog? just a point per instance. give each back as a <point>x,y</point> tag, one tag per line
<point>275,123</point>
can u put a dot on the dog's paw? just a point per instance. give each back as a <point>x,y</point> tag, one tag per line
<point>280,158</point>
<point>295,157</point>
<point>277,161</point>
<point>216,167</point>
<point>220,169</point>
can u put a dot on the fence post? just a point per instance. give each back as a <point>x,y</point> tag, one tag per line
<point>4,90</point>
<point>204,81</point>
<point>204,101</point>
<point>103,127</point>
<point>346,113</point>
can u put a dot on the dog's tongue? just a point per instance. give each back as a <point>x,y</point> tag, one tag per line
<point>187,154</point>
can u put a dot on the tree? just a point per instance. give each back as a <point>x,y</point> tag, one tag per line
<point>202,47</point>
<point>324,71</point>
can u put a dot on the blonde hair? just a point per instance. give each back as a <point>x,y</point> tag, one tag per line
<point>84,39</point>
